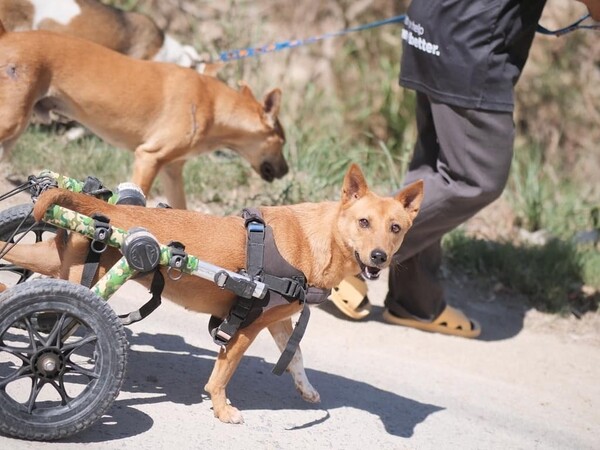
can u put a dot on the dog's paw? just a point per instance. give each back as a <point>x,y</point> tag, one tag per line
<point>308,392</point>
<point>230,414</point>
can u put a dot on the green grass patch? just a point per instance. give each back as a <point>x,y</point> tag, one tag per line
<point>550,275</point>
<point>43,148</point>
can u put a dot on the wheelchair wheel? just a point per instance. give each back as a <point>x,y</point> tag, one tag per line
<point>11,219</point>
<point>57,382</point>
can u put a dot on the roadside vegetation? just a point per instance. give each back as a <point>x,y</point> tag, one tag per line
<point>342,103</point>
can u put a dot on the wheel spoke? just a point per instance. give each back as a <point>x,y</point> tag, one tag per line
<point>73,346</point>
<point>60,388</point>
<point>36,387</point>
<point>21,372</point>
<point>72,367</point>
<point>55,335</point>
<point>32,333</point>
<point>20,353</point>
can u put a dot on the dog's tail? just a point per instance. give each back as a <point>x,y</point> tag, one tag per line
<point>81,203</point>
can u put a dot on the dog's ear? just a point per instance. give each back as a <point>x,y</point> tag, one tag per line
<point>355,185</point>
<point>211,69</point>
<point>271,105</point>
<point>2,30</point>
<point>411,197</point>
<point>245,90</point>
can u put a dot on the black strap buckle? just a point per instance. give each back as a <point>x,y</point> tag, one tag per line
<point>223,331</point>
<point>220,337</point>
<point>102,233</point>
<point>178,259</point>
<point>239,286</point>
<point>255,227</point>
<point>94,187</point>
<point>294,288</point>
<point>297,289</point>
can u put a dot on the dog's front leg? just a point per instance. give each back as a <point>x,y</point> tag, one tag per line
<point>227,361</point>
<point>171,176</point>
<point>146,166</point>
<point>281,332</point>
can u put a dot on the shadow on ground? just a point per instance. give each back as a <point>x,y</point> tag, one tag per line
<point>164,368</point>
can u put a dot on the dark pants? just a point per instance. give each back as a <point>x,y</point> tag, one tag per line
<point>464,157</point>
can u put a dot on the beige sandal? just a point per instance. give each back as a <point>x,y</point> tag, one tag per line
<point>350,297</point>
<point>452,321</point>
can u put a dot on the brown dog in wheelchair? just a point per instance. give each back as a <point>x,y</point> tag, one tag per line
<point>162,112</point>
<point>326,241</point>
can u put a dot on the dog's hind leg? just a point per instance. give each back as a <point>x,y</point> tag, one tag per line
<point>171,176</point>
<point>42,257</point>
<point>281,332</point>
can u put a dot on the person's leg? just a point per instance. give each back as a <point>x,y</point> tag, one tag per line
<point>464,158</point>
<point>414,288</point>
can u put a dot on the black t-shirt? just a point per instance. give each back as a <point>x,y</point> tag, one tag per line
<point>468,53</point>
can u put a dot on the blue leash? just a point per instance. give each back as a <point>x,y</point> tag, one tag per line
<point>232,55</point>
<point>574,26</point>
<point>255,51</point>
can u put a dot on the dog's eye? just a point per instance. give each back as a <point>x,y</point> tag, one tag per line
<point>363,223</point>
<point>395,228</point>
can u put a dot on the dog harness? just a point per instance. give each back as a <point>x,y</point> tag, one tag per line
<point>285,284</point>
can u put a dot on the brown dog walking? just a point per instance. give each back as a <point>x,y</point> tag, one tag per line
<point>325,241</point>
<point>164,113</point>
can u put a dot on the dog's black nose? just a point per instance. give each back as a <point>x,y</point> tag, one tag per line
<point>378,256</point>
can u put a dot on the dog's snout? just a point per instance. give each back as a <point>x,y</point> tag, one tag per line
<point>269,172</point>
<point>378,256</point>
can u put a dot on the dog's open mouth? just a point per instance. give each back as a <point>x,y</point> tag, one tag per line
<point>369,272</point>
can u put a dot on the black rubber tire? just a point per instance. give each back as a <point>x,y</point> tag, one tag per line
<point>13,218</point>
<point>92,360</point>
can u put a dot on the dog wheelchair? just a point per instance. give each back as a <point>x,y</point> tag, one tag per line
<point>63,349</point>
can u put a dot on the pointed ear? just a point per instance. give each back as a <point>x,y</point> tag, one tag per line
<point>271,105</point>
<point>211,69</point>
<point>245,90</point>
<point>355,185</point>
<point>411,197</point>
